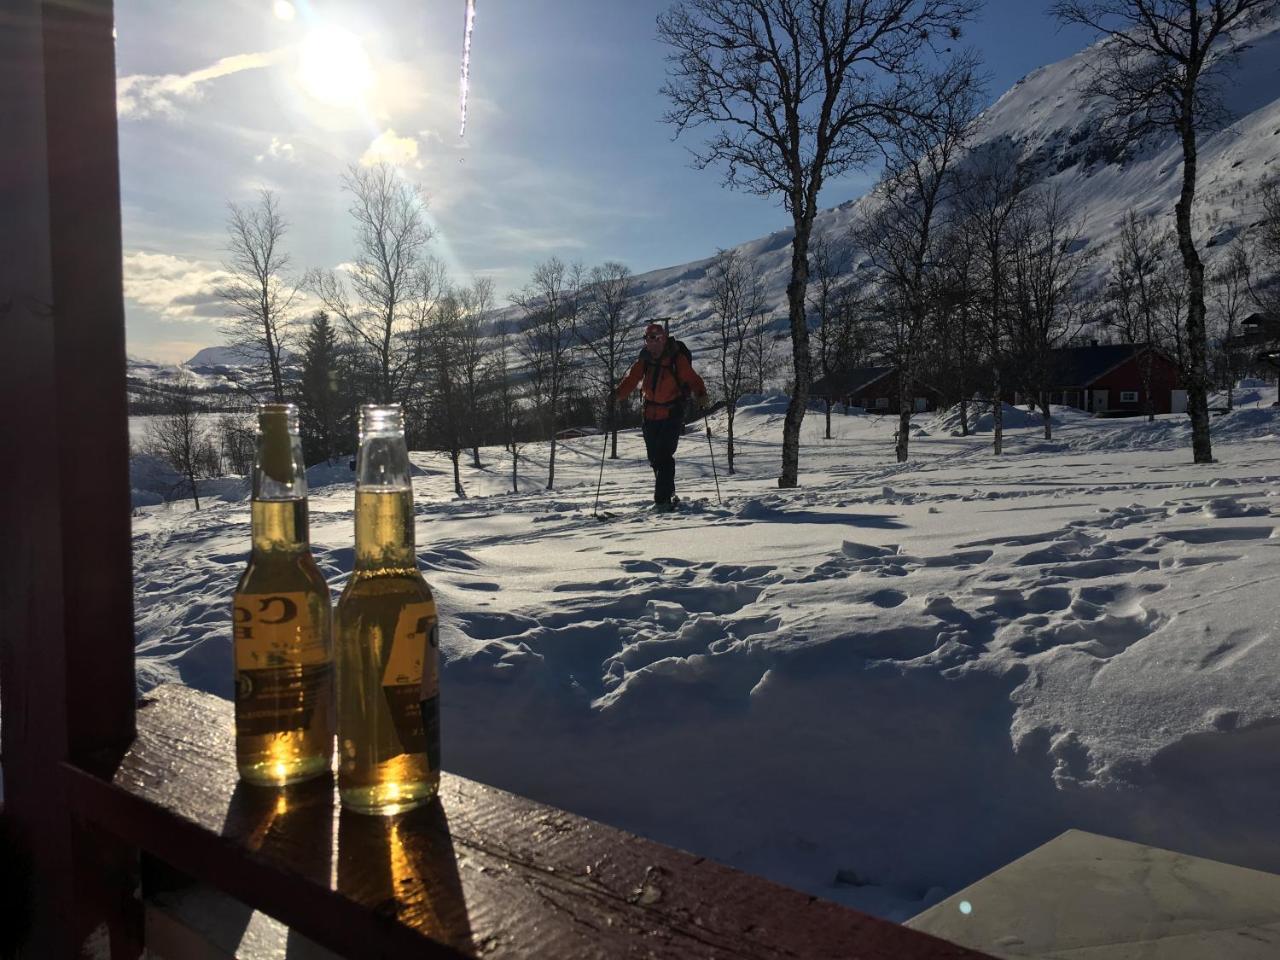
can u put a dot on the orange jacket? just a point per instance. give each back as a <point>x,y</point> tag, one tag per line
<point>662,379</point>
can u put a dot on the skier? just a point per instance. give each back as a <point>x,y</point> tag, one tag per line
<point>668,377</point>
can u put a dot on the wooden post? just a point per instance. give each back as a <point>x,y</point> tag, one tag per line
<point>66,670</point>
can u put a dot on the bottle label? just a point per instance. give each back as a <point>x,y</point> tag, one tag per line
<point>282,667</point>
<point>403,676</point>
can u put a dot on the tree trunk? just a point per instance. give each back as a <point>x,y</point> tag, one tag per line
<point>799,353</point>
<point>1197,393</point>
<point>515,470</point>
<point>904,417</point>
<point>997,416</point>
<point>475,457</point>
<point>456,455</point>
<point>195,494</point>
<point>828,418</point>
<point>729,412</point>
<point>612,421</point>
<point>551,465</point>
<point>964,417</point>
<point>1044,409</point>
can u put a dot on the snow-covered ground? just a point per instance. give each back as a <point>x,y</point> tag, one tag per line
<point>876,687</point>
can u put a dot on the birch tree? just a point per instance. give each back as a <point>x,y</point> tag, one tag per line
<point>1161,67</point>
<point>550,304</point>
<point>374,297</point>
<point>991,195</point>
<point>259,298</point>
<point>794,93</point>
<point>832,310</point>
<point>1044,292</point>
<point>901,235</point>
<point>604,330</point>
<point>737,302</point>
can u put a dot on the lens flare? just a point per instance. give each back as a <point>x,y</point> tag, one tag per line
<point>465,83</point>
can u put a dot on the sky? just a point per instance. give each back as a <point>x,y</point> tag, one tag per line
<point>565,153</point>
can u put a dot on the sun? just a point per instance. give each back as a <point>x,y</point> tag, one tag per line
<point>334,68</point>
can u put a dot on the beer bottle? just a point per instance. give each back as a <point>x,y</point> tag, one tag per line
<point>283,627</point>
<point>387,659</point>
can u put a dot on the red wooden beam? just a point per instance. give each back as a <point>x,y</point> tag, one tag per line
<point>66,666</point>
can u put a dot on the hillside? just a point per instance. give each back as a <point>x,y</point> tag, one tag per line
<point>876,687</point>
<point>1046,122</point>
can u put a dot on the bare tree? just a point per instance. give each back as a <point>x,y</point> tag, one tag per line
<point>833,311</point>
<point>1230,285</point>
<point>611,307</point>
<point>737,302</point>
<point>475,304</point>
<point>179,438</point>
<point>1266,291</point>
<point>798,92</point>
<point>258,297</point>
<point>1045,291</point>
<point>507,409</point>
<point>901,235</point>
<point>439,342</point>
<point>991,196</point>
<point>762,352</point>
<point>956,337</point>
<point>550,305</point>
<point>1132,291</point>
<point>1160,67</point>
<point>376,294</point>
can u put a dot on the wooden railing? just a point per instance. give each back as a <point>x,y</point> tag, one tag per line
<point>482,873</point>
<point>96,792</point>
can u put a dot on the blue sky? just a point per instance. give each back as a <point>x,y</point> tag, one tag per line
<point>564,152</point>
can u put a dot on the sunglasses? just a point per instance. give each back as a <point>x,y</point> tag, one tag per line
<point>654,336</point>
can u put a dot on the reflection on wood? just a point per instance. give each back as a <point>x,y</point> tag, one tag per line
<point>482,873</point>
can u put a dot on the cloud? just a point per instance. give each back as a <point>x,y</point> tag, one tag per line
<point>145,95</point>
<point>390,148</point>
<point>175,288</point>
<point>278,150</point>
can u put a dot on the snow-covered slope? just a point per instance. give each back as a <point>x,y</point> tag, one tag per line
<point>1046,122</point>
<point>876,687</point>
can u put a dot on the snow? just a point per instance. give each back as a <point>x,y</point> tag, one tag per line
<point>876,687</point>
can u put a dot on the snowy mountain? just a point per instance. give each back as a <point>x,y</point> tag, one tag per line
<point>1056,134</point>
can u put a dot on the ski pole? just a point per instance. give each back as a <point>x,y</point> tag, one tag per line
<point>595,509</point>
<point>706,421</point>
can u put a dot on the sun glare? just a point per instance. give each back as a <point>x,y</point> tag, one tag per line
<point>283,10</point>
<point>334,68</point>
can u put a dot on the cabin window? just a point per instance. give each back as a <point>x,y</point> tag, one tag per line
<point>882,403</point>
<point>1128,396</point>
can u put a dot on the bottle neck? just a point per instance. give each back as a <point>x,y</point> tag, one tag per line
<point>279,510</point>
<point>384,504</point>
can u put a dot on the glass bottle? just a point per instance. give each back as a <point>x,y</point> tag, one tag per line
<point>283,625</point>
<point>388,664</point>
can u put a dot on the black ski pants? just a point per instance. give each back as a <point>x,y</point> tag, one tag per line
<point>660,440</point>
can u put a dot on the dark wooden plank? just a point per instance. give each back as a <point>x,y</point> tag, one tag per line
<point>483,873</point>
<point>89,389</point>
<point>66,685</point>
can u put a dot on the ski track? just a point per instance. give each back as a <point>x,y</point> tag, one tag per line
<point>814,651</point>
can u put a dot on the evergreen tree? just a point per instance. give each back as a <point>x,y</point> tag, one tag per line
<point>325,408</point>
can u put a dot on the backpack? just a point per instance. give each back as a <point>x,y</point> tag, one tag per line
<point>683,404</point>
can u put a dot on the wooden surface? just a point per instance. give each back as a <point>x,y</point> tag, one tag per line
<point>484,873</point>
<point>66,658</point>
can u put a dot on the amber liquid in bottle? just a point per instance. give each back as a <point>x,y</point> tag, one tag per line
<point>283,639</point>
<point>387,663</point>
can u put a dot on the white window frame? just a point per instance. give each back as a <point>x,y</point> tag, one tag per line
<point>1128,396</point>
